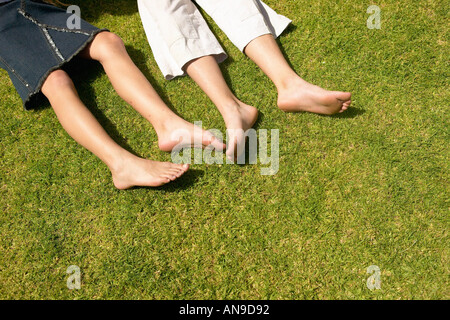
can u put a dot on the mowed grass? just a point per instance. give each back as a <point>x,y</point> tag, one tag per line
<point>368,187</point>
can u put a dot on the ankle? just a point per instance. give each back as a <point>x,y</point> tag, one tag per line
<point>229,108</point>
<point>118,162</point>
<point>290,81</point>
<point>164,125</point>
<point>230,105</point>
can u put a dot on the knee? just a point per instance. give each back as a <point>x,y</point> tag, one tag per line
<point>56,80</point>
<point>108,44</point>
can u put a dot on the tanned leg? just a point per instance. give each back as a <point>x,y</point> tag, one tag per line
<point>127,169</point>
<point>238,116</point>
<point>135,89</point>
<point>294,93</point>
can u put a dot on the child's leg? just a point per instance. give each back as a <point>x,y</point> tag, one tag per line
<point>135,89</point>
<point>251,26</point>
<point>237,115</point>
<point>127,170</point>
<point>294,93</point>
<point>181,43</point>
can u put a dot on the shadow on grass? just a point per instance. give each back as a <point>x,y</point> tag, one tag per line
<point>93,10</point>
<point>350,113</point>
<point>187,180</point>
<point>289,29</point>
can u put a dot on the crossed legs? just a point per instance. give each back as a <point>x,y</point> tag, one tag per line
<point>134,88</point>
<point>127,169</point>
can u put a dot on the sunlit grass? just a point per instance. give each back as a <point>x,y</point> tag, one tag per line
<point>369,187</point>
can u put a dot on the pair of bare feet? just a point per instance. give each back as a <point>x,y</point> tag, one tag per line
<point>297,96</point>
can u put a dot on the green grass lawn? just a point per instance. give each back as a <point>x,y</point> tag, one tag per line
<point>368,187</point>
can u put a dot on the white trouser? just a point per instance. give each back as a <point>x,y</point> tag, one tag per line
<point>177,32</point>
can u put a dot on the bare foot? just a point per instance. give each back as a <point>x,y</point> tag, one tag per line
<point>239,117</point>
<point>178,132</point>
<point>134,171</point>
<point>300,95</point>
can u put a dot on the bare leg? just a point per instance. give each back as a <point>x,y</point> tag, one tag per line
<point>294,93</point>
<point>135,89</point>
<point>237,115</point>
<point>127,169</point>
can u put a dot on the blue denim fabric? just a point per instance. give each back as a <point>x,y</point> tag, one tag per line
<point>34,41</point>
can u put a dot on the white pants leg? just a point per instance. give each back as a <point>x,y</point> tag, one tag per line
<point>177,32</point>
<point>244,20</point>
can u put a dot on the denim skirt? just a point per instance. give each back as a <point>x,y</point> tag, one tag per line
<point>35,40</point>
